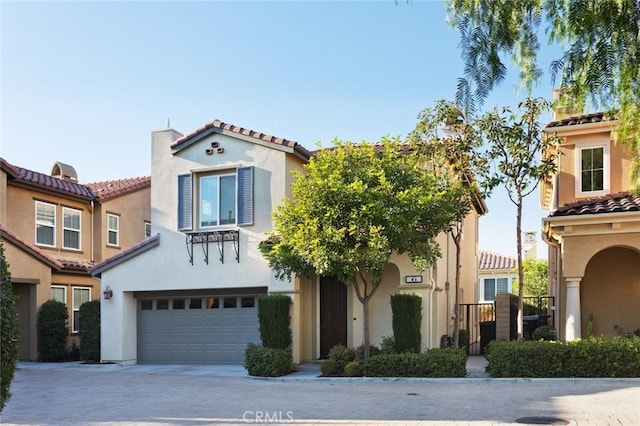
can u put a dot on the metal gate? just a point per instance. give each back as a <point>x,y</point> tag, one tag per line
<point>479,321</point>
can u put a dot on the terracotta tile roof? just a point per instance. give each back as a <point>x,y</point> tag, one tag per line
<point>114,188</point>
<point>8,234</point>
<point>47,182</point>
<point>220,125</point>
<point>75,265</point>
<point>491,261</point>
<point>134,250</point>
<point>8,167</point>
<point>596,117</point>
<point>611,203</point>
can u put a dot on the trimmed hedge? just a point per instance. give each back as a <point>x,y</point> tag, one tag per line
<point>432,363</point>
<point>267,362</point>
<point>275,321</point>
<point>593,357</point>
<point>52,331</point>
<point>9,333</point>
<point>406,319</point>
<point>90,331</point>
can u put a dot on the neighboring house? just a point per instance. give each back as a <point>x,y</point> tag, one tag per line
<point>593,229</point>
<point>496,274</point>
<point>54,229</point>
<point>188,294</point>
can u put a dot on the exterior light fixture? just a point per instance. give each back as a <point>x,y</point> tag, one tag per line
<point>108,293</point>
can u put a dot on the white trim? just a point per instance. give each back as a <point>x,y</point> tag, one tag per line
<point>606,164</point>
<point>217,213</point>
<point>117,230</point>
<point>75,308</point>
<point>64,289</point>
<point>496,277</point>
<point>79,230</point>
<point>45,224</point>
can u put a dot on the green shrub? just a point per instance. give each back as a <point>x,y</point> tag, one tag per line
<point>604,357</point>
<point>90,331</point>
<point>353,369</point>
<point>8,331</point>
<point>52,331</point>
<point>339,356</point>
<point>388,345</point>
<point>544,332</point>
<point>275,321</point>
<point>432,363</point>
<point>406,319</point>
<point>594,357</point>
<point>267,362</point>
<point>73,353</point>
<point>359,352</point>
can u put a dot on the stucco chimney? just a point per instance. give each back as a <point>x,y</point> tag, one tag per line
<point>561,107</point>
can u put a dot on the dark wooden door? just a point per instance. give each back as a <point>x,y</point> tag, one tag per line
<point>333,314</point>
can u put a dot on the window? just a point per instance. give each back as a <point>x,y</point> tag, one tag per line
<point>147,229</point>
<point>178,303</point>
<point>146,305</point>
<point>493,286</point>
<point>230,302</point>
<point>162,304</point>
<point>59,293</point>
<point>221,199</point>
<point>592,174</point>
<point>113,227</point>
<point>45,224</point>
<point>195,303</point>
<point>80,296</point>
<point>71,228</point>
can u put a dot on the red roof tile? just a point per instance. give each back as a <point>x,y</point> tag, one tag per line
<point>491,261</point>
<point>114,188</point>
<point>75,264</point>
<point>54,184</point>
<point>8,167</point>
<point>217,124</point>
<point>596,117</point>
<point>611,203</point>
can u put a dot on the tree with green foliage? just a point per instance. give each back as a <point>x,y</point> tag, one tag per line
<point>536,278</point>
<point>9,334</point>
<point>353,207</point>
<point>600,62</point>
<point>445,139</point>
<point>516,150</point>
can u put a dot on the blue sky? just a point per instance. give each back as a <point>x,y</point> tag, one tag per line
<point>85,83</point>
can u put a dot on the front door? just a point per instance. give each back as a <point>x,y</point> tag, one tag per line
<point>333,314</point>
<point>23,307</point>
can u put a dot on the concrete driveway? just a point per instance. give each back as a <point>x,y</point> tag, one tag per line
<point>75,394</point>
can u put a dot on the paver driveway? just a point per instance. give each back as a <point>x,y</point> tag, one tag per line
<point>171,396</point>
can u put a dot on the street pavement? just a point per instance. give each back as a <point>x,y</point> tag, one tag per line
<point>157,395</point>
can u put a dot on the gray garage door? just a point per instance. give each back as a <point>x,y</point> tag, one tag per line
<point>196,330</point>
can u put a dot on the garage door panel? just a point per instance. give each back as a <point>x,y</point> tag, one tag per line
<point>196,335</point>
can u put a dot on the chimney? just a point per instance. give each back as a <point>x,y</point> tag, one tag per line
<point>563,107</point>
<point>64,171</point>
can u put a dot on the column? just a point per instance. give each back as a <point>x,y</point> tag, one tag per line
<point>572,330</point>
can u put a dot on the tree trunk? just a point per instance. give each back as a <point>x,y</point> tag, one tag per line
<point>457,235</point>
<point>365,329</point>
<point>520,320</point>
<point>363,296</point>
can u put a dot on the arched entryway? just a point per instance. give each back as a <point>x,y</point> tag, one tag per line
<point>610,291</point>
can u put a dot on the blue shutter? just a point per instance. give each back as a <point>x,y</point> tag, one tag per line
<point>185,203</point>
<point>245,195</point>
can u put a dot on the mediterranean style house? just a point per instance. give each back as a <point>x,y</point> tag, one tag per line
<point>496,274</point>
<point>188,293</point>
<point>592,230</point>
<point>54,229</point>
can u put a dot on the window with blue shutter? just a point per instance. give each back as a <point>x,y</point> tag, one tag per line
<point>185,203</point>
<point>245,195</point>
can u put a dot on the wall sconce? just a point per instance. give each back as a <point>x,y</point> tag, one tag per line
<point>108,293</point>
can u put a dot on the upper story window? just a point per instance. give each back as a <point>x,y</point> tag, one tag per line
<point>45,224</point>
<point>71,228</point>
<point>592,176</point>
<point>113,230</point>
<point>221,199</point>
<point>492,286</point>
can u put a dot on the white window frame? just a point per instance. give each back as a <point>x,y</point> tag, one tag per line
<point>147,229</point>
<point>219,200</point>
<point>481,287</point>
<point>79,230</point>
<point>116,230</point>
<point>40,223</point>
<point>74,326</point>
<point>605,173</point>
<point>64,291</point>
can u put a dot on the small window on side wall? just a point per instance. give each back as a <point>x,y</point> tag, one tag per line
<point>147,229</point>
<point>113,230</point>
